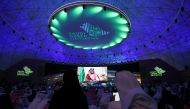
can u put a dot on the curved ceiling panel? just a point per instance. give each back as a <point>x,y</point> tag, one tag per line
<point>157,26</point>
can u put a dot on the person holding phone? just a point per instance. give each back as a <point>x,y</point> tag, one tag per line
<point>131,94</point>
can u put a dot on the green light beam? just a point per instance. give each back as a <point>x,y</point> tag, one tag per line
<point>54,30</point>
<point>95,9</point>
<point>55,23</point>
<point>57,36</point>
<point>118,40</point>
<point>120,20</point>
<point>62,16</point>
<point>110,14</point>
<point>123,35</point>
<point>77,11</point>
<point>104,47</point>
<point>123,28</point>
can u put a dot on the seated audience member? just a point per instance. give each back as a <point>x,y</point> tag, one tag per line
<point>131,94</point>
<point>70,96</point>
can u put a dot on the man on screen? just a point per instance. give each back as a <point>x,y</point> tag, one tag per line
<point>92,76</point>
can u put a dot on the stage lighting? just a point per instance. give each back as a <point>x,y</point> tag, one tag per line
<point>83,6</point>
<point>65,10</point>
<point>104,8</point>
<point>53,17</point>
<point>120,15</point>
<point>87,29</point>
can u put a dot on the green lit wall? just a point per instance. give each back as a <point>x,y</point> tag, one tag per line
<point>89,25</point>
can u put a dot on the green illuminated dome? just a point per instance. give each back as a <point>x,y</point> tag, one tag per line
<point>89,25</point>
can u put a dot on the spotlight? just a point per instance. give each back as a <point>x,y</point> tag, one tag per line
<point>121,15</point>
<point>53,17</point>
<point>83,6</point>
<point>104,8</point>
<point>65,10</point>
<point>128,26</point>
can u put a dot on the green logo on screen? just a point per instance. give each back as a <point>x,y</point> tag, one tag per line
<point>25,72</point>
<point>157,71</point>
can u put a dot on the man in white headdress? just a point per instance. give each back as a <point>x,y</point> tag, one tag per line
<point>92,76</point>
<point>131,94</point>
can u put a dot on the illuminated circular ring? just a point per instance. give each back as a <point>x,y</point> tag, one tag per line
<point>89,25</point>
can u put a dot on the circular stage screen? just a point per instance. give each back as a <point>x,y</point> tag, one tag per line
<point>89,25</point>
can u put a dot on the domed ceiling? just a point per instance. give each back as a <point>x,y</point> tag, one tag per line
<point>158,29</point>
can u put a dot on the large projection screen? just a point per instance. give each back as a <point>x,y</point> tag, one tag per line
<point>92,74</point>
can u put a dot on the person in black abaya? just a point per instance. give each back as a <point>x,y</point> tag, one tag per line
<point>70,96</point>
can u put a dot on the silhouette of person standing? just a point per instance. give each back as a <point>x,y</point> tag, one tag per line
<point>70,96</point>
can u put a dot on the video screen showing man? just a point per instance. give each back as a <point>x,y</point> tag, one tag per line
<point>92,74</point>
